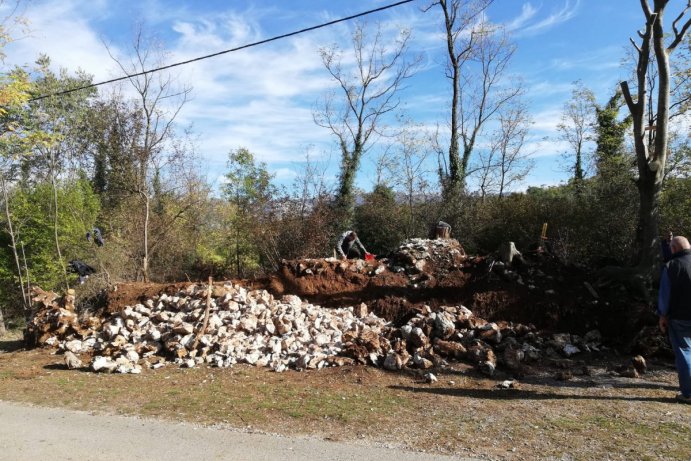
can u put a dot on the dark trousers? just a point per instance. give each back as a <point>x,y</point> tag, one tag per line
<point>351,252</point>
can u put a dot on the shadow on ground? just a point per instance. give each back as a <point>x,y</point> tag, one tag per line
<point>520,394</point>
<point>11,345</point>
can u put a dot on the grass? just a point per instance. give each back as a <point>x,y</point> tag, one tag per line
<point>463,413</point>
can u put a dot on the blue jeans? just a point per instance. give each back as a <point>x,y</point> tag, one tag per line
<point>680,337</point>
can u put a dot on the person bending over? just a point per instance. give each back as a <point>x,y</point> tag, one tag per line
<point>349,246</point>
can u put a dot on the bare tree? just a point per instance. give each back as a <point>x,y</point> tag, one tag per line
<point>651,154</point>
<point>384,167</point>
<point>369,92</point>
<point>160,101</point>
<point>681,80</point>
<point>410,170</point>
<point>484,169</point>
<point>575,128</point>
<point>478,57</point>
<point>506,163</point>
<point>514,163</point>
<point>310,184</point>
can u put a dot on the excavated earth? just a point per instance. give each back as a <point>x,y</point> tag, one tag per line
<point>541,291</point>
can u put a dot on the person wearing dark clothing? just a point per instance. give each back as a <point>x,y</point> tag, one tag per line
<point>81,269</point>
<point>97,237</point>
<point>674,309</point>
<point>349,246</point>
<point>96,233</point>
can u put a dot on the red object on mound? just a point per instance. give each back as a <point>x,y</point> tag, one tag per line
<point>369,257</point>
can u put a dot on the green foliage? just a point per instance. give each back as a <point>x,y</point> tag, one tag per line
<point>378,221</point>
<point>610,132</point>
<point>250,191</point>
<point>113,132</point>
<point>248,183</point>
<point>675,207</point>
<point>32,214</point>
<point>592,227</point>
<point>61,118</point>
<point>18,133</point>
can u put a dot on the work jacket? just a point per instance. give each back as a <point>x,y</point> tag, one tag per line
<point>678,271</point>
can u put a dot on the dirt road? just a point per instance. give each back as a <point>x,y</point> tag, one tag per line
<point>30,433</point>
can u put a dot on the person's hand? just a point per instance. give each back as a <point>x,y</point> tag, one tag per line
<point>663,322</point>
<point>344,257</point>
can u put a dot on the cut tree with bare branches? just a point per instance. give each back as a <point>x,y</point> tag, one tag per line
<point>652,152</point>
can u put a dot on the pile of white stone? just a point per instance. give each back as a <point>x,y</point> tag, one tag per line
<point>242,327</point>
<point>232,325</point>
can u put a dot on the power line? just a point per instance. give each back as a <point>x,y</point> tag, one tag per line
<point>249,45</point>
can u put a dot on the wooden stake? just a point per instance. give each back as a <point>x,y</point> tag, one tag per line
<point>206,316</point>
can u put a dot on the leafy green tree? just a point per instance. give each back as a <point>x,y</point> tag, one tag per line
<point>675,198</point>
<point>15,139</point>
<point>113,127</point>
<point>379,221</point>
<point>62,118</point>
<point>33,217</point>
<point>249,189</point>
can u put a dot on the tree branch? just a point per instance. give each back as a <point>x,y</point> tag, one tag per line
<point>633,107</point>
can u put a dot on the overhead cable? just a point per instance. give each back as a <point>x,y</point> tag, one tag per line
<point>249,45</point>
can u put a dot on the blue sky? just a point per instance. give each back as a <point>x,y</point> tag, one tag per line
<point>262,98</point>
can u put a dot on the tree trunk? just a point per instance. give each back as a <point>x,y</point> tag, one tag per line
<point>651,159</point>
<point>454,182</point>
<point>55,219</point>
<point>10,230</point>
<point>3,330</point>
<point>346,196</point>
<point>145,260</point>
<point>27,300</point>
<point>238,269</point>
<point>648,220</point>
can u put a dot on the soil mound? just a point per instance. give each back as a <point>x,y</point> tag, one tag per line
<point>537,289</point>
<point>427,299</point>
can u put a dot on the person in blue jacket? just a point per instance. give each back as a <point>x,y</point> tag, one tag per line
<point>674,309</point>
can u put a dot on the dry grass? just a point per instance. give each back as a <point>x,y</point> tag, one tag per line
<point>588,418</point>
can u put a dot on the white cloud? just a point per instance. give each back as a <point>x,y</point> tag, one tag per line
<point>546,120</point>
<point>527,13</point>
<point>285,174</point>
<point>602,59</point>
<point>63,32</point>
<point>524,26</point>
